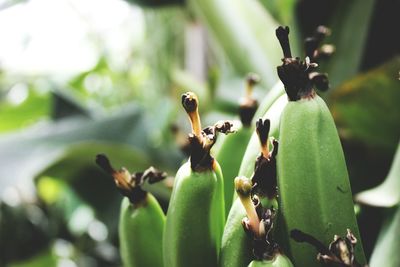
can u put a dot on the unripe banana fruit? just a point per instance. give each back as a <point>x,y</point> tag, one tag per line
<point>142,220</point>
<point>279,261</point>
<point>196,212</point>
<point>314,189</point>
<point>272,105</point>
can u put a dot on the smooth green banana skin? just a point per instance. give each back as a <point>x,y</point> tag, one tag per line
<point>195,218</point>
<point>230,156</point>
<point>314,189</point>
<point>279,261</point>
<point>236,249</point>
<point>242,28</point>
<point>253,147</point>
<point>140,231</point>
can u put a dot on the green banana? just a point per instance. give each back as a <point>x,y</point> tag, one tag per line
<point>280,260</point>
<point>142,220</point>
<point>252,150</point>
<point>314,189</point>
<point>272,105</point>
<point>237,247</point>
<point>196,213</point>
<point>230,152</point>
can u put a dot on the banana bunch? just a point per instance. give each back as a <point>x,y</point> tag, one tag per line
<point>297,196</point>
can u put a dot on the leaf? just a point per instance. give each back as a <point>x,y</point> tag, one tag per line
<point>386,251</point>
<point>281,10</point>
<point>285,12</point>
<point>61,199</point>
<point>26,154</point>
<point>15,117</point>
<point>366,108</point>
<point>246,33</point>
<point>46,258</point>
<point>386,194</point>
<point>349,26</point>
<point>66,104</point>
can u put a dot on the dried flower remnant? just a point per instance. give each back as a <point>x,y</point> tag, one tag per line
<point>340,252</point>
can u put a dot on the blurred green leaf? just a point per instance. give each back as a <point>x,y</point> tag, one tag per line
<point>366,108</point>
<point>156,3</point>
<point>386,194</point>
<point>350,24</point>
<point>60,198</point>
<point>281,10</point>
<point>65,104</point>
<point>81,155</point>
<point>33,108</point>
<point>46,258</point>
<point>386,251</point>
<point>246,33</point>
<point>26,154</point>
<point>284,12</point>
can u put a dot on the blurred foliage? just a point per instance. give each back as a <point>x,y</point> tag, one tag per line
<point>57,206</point>
<point>350,23</point>
<point>28,107</point>
<point>378,92</point>
<point>386,194</point>
<point>386,249</point>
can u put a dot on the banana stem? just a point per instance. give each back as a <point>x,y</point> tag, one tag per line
<point>190,103</point>
<point>243,187</point>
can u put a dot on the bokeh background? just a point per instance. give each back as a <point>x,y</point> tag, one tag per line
<point>78,78</point>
